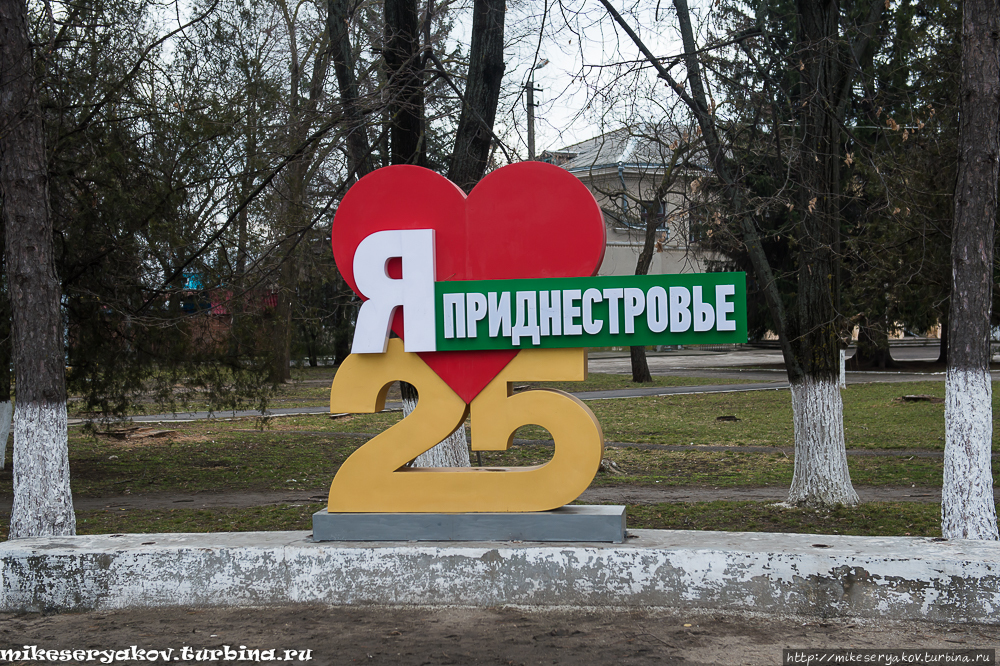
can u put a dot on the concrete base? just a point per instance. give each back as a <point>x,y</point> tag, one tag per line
<point>820,575</point>
<point>567,524</point>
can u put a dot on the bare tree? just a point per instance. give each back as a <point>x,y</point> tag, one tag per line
<point>474,135</point>
<point>637,353</point>
<point>407,64</point>
<point>828,64</point>
<point>968,510</point>
<point>295,211</point>
<point>43,503</point>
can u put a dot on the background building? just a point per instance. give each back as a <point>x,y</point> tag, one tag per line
<point>625,169</point>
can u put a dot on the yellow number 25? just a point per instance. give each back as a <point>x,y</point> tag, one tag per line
<point>377,477</point>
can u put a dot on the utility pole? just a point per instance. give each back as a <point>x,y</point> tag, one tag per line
<point>530,103</point>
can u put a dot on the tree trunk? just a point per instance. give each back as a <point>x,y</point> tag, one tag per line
<point>338,22</point>
<point>452,451</point>
<point>405,119</point>
<point>311,345</point>
<point>640,368</point>
<point>43,503</point>
<point>820,476</point>
<point>405,85</point>
<point>943,345</point>
<point>343,323</point>
<point>873,349</point>
<point>408,144</point>
<point>968,510</point>
<point>295,212</point>
<point>359,161</point>
<point>482,92</point>
<point>637,353</point>
<point>245,188</point>
<point>281,336</point>
<point>6,416</point>
<point>6,408</point>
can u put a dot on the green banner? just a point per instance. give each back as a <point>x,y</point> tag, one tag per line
<point>613,311</point>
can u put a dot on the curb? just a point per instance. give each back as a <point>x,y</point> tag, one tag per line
<point>899,578</point>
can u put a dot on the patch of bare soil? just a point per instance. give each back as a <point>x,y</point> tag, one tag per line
<point>125,440</point>
<point>516,636</point>
<point>922,397</point>
<point>135,432</point>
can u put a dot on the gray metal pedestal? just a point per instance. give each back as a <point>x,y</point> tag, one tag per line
<point>568,523</point>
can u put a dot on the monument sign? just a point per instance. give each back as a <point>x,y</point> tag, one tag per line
<point>483,291</point>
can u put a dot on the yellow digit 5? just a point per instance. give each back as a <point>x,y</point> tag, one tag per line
<point>579,441</point>
<point>376,477</point>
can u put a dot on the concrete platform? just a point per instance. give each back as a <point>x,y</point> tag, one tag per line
<point>571,523</point>
<point>819,575</point>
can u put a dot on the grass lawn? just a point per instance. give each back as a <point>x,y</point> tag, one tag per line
<point>733,469</point>
<point>872,519</point>
<point>304,453</point>
<point>874,418</point>
<point>209,460</point>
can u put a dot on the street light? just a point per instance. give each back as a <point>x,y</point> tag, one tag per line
<point>530,88</point>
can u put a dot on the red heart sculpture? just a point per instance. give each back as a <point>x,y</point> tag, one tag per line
<point>526,220</point>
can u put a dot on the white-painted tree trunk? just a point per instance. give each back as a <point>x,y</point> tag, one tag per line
<point>6,414</point>
<point>821,477</point>
<point>453,451</point>
<point>967,505</point>
<point>43,503</point>
<point>968,510</point>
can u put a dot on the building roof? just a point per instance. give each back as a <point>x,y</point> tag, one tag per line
<point>646,147</point>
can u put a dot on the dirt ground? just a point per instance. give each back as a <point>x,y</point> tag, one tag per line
<point>479,636</point>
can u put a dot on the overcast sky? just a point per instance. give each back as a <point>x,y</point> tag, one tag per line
<point>589,85</point>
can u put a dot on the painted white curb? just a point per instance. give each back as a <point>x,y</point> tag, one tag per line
<point>822,575</point>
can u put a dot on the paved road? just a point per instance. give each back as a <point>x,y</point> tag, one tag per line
<point>757,365</point>
<point>737,363</point>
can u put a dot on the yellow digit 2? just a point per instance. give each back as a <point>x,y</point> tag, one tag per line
<point>377,478</point>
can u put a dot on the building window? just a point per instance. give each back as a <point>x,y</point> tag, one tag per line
<point>697,226</point>
<point>660,216</point>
